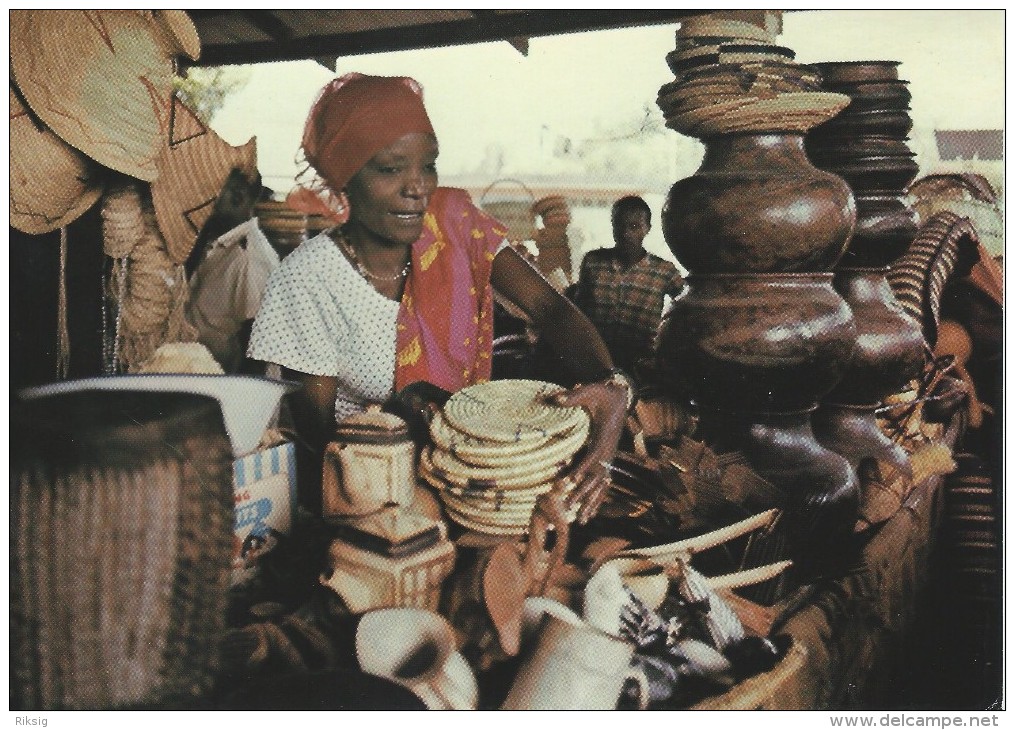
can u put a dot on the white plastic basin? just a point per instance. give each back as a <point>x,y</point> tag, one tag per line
<point>248,402</point>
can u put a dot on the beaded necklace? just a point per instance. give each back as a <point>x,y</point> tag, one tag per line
<point>344,244</point>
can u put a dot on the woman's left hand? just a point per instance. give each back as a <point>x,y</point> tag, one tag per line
<point>606,403</point>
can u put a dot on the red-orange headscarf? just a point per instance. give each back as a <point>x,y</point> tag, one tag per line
<point>353,118</point>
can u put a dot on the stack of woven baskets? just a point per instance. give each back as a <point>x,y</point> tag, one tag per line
<point>551,239</point>
<point>317,223</point>
<point>730,76</point>
<point>285,228</point>
<point>497,447</point>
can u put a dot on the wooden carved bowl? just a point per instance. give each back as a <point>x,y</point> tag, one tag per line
<point>877,173</point>
<point>889,345</point>
<point>876,104</point>
<point>885,227</point>
<point>826,151</point>
<point>799,218</point>
<point>893,124</point>
<point>894,91</point>
<point>835,72</point>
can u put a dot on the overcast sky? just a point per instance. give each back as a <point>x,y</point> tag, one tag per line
<point>578,85</point>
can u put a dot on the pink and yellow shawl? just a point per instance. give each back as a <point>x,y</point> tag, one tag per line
<point>445,320</point>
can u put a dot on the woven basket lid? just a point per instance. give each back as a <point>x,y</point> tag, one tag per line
<point>484,503</point>
<point>52,183</point>
<point>682,63</point>
<point>683,54</point>
<point>479,452</point>
<point>690,120</point>
<point>510,411</point>
<point>498,519</point>
<point>495,522</point>
<point>492,501</point>
<point>194,166</point>
<point>475,492</point>
<point>795,111</point>
<point>100,79</point>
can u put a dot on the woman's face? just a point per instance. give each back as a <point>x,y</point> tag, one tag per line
<point>388,196</point>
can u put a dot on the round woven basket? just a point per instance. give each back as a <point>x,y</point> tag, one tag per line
<point>52,184</point>
<point>100,80</point>
<point>510,202</point>
<point>121,528</point>
<point>510,411</point>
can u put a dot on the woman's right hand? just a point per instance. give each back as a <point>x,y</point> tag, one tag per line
<point>606,402</point>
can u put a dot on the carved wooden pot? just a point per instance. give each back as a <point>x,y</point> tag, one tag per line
<point>822,489</point>
<point>758,341</point>
<point>889,343</point>
<point>757,204</point>
<point>885,227</point>
<point>852,431</point>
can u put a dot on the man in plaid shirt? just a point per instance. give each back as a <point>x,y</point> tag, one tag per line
<point>621,289</point>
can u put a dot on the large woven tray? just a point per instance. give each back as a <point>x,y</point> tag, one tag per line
<point>510,411</point>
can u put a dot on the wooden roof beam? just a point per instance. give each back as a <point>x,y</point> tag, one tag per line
<point>519,43</point>
<point>268,24</point>
<point>433,35</point>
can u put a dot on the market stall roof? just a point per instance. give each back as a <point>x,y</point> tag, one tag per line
<point>257,36</point>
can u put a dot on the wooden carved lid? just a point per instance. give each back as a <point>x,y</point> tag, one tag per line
<point>372,426</point>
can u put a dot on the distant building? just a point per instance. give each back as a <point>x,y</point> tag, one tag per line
<point>976,151</point>
<point>970,144</point>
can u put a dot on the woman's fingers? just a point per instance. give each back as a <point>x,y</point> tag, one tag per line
<point>606,405</point>
<point>591,484</point>
<point>590,498</point>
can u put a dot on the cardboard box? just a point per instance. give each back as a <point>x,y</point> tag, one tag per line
<point>264,490</point>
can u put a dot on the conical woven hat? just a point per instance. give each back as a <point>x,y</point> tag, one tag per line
<point>100,79</point>
<point>193,168</point>
<point>182,33</point>
<point>52,183</point>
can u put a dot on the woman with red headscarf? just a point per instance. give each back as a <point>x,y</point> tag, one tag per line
<point>401,290</point>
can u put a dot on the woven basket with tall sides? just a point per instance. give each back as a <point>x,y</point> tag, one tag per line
<point>120,540</point>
